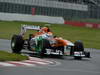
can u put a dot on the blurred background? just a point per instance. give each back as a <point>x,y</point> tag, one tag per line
<point>68,9</point>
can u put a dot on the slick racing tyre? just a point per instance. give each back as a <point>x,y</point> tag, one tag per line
<point>78,47</point>
<point>87,54</point>
<point>17,43</point>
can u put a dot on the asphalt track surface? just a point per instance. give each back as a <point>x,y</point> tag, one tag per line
<point>66,66</point>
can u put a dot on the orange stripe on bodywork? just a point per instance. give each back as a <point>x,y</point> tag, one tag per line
<point>60,42</point>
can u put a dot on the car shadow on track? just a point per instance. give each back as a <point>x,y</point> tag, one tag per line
<point>69,58</point>
<point>45,56</point>
<point>72,59</point>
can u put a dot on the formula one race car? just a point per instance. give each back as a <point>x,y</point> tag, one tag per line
<point>44,42</point>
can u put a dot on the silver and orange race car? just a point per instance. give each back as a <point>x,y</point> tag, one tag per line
<point>43,42</point>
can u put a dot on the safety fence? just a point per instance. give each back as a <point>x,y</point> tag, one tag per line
<point>68,9</point>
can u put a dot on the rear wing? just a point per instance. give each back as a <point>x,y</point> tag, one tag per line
<point>25,27</point>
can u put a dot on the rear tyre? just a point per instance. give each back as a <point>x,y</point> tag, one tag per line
<point>17,43</point>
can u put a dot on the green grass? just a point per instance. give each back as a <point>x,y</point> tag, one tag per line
<point>89,36</point>
<point>5,56</point>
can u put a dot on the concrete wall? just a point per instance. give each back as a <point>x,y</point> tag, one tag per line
<point>31,18</point>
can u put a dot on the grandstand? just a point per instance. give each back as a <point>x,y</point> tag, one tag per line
<point>68,9</point>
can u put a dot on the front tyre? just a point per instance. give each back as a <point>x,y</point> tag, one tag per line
<point>79,47</point>
<point>17,43</point>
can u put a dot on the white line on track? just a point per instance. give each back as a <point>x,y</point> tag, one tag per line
<point>6,64</point>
